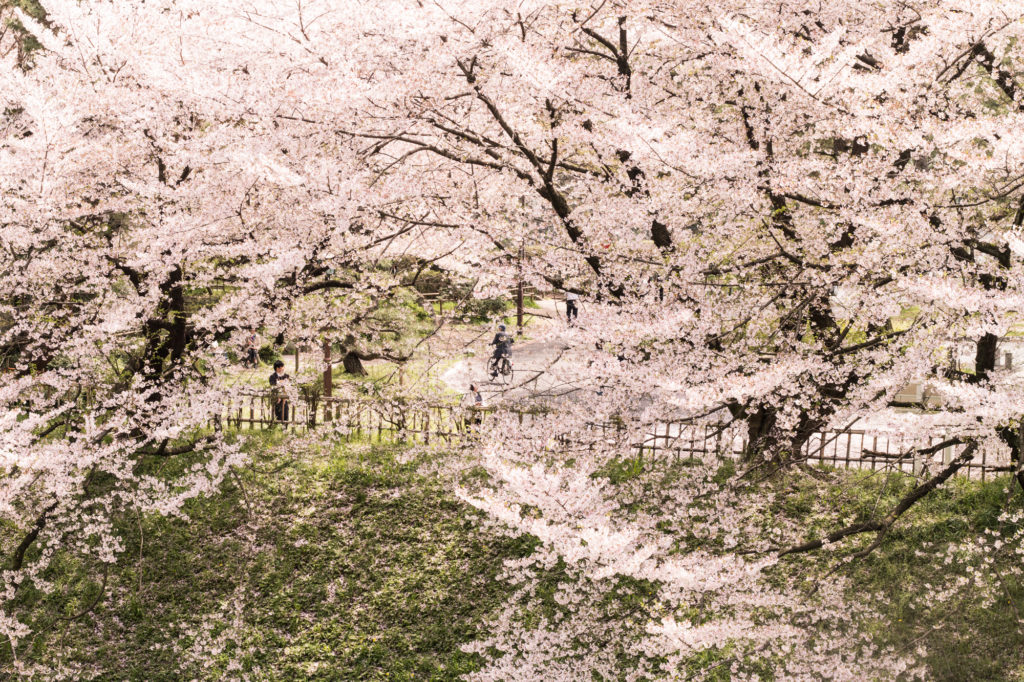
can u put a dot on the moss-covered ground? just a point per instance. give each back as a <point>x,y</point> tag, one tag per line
<point>328,564</point>
<point>353,562</point>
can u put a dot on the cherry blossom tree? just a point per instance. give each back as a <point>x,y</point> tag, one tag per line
<point>151,217</point>
<point>743,217</point>
<point>779,216</point>
<point>788,213</point>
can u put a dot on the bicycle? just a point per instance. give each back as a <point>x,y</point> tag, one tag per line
<point>250,358</point>
<point>500,367</point>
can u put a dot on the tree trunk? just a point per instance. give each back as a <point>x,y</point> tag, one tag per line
<point>985,356</point>
<point>1013,436</point>
<point>760,425</point>
<point>328,384</point>
<point>353,365</point>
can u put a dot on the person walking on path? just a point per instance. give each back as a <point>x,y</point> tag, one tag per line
<point>278,380</point>
<point>572,310</point>
<point>473,402</point>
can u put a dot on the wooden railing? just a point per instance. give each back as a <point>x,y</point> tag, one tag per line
<point>358,418</point>
<point>663,441</point>
<point>840,448</point>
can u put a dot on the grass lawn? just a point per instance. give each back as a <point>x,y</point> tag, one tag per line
<point>969,635</point>
<point>965,637</point>
<point>352,562</point>
<point>329,565</point>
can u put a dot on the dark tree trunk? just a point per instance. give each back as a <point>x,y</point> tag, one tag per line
<point>760,425</point>
<point>805,430</point>
<point>1014,438</point>
<point>985,356</point>
<point>661,236</point>
<point>353,365</point>
<point>328,376</point>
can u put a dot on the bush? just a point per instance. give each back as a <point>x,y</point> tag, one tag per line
<point>269,355</point>
<point>431,279</point>
<point>486,308</point>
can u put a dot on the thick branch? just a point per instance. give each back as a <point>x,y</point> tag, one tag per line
<point>882,525</point>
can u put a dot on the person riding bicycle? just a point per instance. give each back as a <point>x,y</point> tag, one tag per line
<point>502,343</point>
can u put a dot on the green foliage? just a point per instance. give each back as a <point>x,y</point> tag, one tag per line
<point>483,309</point>
<point>343,564</point>
<point>322,564</point>
<point>621,470</point>
<point>269,355</point>
<point>963,638</point>
<point>26,42</point>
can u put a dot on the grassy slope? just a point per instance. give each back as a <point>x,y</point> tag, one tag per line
<point>349,564</point>
<point>964,639</point>
<point>352,566</point>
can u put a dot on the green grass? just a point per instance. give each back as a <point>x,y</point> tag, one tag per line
<point>346,562</point>
<point>343,564</point>
<point>963,638</point>
<point>906,318</point>
<point>472,310</point>
<point>418,376</point>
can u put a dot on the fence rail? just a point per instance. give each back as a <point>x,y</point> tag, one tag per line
<point>358,418</point>
<point>840,448</point>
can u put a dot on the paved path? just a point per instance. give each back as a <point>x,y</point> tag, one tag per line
<point>533,360</point>
<point>539,362</point>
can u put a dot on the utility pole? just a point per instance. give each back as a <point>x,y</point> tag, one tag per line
<point>519,290</point>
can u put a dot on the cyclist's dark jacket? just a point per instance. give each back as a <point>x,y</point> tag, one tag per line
<point>502,340</point>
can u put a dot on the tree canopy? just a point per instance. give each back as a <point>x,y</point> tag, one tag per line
<point>780,215</point>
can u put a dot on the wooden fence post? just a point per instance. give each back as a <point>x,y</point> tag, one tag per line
<point>328,377</point>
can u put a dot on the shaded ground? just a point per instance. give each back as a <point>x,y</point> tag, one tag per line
<point>330,565</point>
<point>359,564</point>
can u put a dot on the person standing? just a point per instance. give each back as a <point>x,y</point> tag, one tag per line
<point>252,350</point>
<point>278,380</point>
<point>473,398</point>
<point>572,310</point>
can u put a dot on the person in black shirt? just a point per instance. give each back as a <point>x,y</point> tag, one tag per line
<point>502,346</point>
<point>279,378</point>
